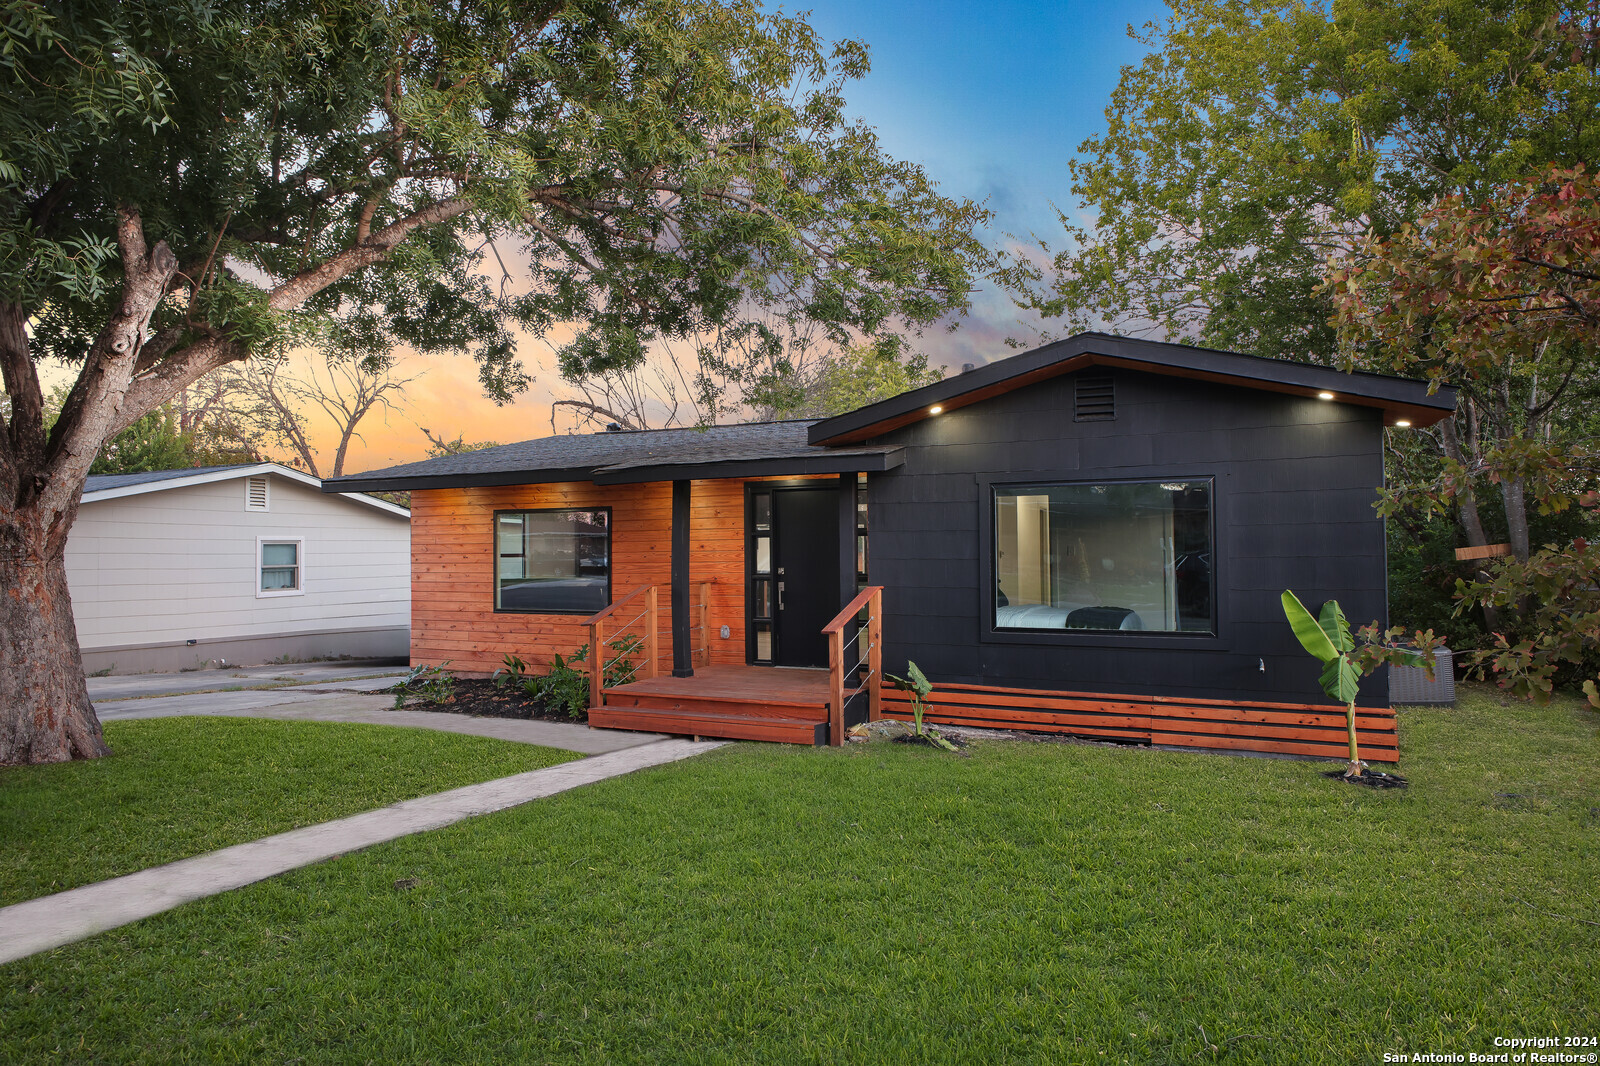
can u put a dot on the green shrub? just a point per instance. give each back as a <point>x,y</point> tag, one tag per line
<point>433,683</point>
<point>565,687</point>
<point>514,672</point>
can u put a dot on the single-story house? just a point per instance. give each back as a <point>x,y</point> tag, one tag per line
<point>1089,538</point>
<point>172,569</point>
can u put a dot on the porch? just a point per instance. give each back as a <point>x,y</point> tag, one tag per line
<point>796,705</point>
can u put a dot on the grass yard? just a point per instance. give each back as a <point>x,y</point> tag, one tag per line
<point>1029,903</point>
<point>176,787</point>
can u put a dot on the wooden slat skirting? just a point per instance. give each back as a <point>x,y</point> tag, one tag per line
<point>1272,728</point>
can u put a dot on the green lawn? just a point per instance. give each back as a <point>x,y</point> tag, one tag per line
<point>176,787</point>
<point>1029,903</point>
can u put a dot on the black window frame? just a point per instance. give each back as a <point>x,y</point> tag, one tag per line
<point>752,620</point>
<point>1217,640</point>
<point>494,557</point>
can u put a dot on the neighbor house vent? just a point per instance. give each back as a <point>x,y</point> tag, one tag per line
<point>255,494</point>
<point>1095,399</point>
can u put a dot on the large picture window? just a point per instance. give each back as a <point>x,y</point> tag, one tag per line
<point>552,562</point>
<point>1130,556</point>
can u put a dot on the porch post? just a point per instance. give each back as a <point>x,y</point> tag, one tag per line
<point>682,650</point>
<point>847,540</point>
<point>847,576</point>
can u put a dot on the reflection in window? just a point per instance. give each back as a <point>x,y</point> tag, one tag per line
<point>1126,556</point>
<point>552,562</point>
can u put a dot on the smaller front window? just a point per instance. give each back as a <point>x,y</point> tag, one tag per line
<point>279,569</point>
<point>552,562</point>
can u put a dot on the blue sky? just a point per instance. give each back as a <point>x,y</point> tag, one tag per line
<point>993,100</point>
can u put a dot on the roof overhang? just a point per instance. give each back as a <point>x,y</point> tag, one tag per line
<point>232,473</point>
<point>869,461</point>
<point>1400,399</point>
<point>364,483</point>
<point>873,462</point>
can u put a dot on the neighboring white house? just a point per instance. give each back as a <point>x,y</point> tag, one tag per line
<point>175,569</point>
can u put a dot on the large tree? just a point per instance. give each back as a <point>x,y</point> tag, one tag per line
<point>1259,137</point>
<point>276,404</point>
<point>1502,297</point>
<point>193,183</point>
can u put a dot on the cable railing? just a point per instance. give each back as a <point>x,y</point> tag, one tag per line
<point>634,645</point>
<point>868,667</point>
<point>620,668</point>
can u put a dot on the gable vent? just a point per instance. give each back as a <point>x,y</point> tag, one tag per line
<point>255,494</point>
<point>1095,399</point>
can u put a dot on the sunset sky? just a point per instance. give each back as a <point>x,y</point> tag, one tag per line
<point>992,98</point>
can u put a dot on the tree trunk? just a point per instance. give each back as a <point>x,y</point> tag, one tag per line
<point>1513,492</point>
<point>1466,500</point>
<point>1467,510</point>
<point>45,713</point>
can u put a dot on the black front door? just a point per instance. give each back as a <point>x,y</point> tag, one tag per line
<point>807,572</point>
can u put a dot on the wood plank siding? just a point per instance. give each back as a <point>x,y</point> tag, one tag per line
<point>1221,725</point>
<point>452,568</point>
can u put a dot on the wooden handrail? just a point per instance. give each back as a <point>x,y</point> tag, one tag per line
<point>873,659</point>
<point>610,610</point>
<point>852,609</point>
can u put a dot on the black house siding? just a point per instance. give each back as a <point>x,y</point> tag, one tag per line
<point>1294,485</point>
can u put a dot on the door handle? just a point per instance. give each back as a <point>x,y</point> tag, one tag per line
<point>780,595</point>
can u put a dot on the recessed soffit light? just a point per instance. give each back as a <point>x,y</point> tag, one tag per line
<point>935,409</point>
<point>1324,395</point>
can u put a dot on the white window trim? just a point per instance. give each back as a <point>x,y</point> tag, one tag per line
<point>300,566</point>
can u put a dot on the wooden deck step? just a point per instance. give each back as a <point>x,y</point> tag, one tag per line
<point>729,726</point>
<point>730,706</point>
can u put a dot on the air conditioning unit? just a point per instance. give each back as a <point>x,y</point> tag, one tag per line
<point>1410,684</point>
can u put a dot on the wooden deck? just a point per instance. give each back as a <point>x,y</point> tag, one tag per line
<point>782,704</point>
<point>723,700</point>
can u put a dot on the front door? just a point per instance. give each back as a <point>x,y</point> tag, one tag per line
<point>806,566</point>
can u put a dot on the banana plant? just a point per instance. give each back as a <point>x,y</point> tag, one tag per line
<point>1328,639</point>
<point>917,684</point>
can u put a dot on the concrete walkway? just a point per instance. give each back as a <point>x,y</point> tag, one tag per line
<point>53,921</point>
<point>314,705</point>
<point>320,692</point>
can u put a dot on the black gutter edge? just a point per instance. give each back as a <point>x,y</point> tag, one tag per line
<point>1157,354</point>
<point>872,463</point>
<point>847,463</point>
<point>406,483</point>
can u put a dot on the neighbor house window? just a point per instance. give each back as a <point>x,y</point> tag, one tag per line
<point>279,569</point>
<point>552,562</point>
<point>1128,556</point>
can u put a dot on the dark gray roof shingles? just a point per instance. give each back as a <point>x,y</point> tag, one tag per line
<point>629,449</point>
<point>102,482</point>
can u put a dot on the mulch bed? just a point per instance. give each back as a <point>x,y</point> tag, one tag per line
<point>1371,779</point>
<point>912,738</point>
<point>478,696</point>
